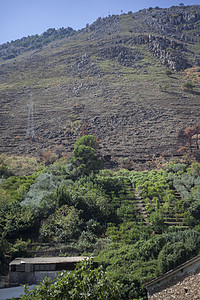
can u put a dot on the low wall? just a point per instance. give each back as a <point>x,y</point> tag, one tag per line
<point>17,278</point>
<point>182,285</point>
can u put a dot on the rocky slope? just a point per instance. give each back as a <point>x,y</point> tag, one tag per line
<point>108,79</point>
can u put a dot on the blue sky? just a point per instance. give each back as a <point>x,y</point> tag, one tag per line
<point>19,18</point>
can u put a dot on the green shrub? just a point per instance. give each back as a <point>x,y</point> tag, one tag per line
<point>43,186</point>
<point>84,283</point>
<point>128,232</point>
<point>188,86</point>
<point>175,168</point>
<point>194,209</point>
<point>18,186</point>
<point>63,226</point>
<point>194,169</point>
<point>170,256</point>
<point>19,249</point>
<point>61,167</point>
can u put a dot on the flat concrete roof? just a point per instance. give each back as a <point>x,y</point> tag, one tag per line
<point>47,260</point>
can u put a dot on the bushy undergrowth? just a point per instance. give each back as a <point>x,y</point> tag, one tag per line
<point>45,184</point>
<point>149,257</point>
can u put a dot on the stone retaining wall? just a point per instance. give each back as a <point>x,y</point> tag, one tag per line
<point>183,285</point>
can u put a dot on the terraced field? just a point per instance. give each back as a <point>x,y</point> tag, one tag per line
<point>107,78</point>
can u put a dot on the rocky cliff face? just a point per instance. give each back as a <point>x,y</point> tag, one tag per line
<point>111,78</point>
<point>170,53</point>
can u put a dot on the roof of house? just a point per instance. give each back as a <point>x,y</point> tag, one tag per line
<point>173,271</point>
<point>47,260</point>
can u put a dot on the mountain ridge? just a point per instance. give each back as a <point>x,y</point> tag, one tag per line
<point>110,77</point>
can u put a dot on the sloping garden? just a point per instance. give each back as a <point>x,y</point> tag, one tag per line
<point>137,225</point>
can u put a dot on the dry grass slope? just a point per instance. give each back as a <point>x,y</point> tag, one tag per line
<point>107,77</point>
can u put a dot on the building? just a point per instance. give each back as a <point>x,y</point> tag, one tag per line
<point>181,283</point>
<point>33,270</point>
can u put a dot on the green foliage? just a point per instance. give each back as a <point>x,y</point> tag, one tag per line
<point>139,262</point>
<point>128,232</point>
<point>194,169</point>
<point>84,282</point>
<point>178,251</point>
<point>61,167</point>
<point>4,198</point>
<point>86,196</point>
<point>188,185</point>
<point>156,190</point>
<point>189,220</point>
<point>64,225</point>
<point>4,170</point>
<point>188,86</point>
<point>84,156</point>
<point>98,213</point>
<point>194,209</point>
<point>170,256</point>
<point>86,140</point>
<point>43,186</point>
<point>4,250</point>
<point>18,186</point>
<point>19,249</point>
<point>127,212</point>
<point>176,168</point>
<point>117,187</point>
<point>86,160</point>
<point>157,220</point>
<point>17,220</point>
<point>121,264</point>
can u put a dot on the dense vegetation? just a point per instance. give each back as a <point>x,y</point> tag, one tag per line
<point>75,206</point>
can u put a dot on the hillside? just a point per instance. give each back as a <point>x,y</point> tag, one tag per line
<point>111,79</point>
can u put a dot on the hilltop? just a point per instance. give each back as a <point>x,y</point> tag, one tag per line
<point>120,78</point>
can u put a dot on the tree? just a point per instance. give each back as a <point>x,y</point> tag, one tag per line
<point>84,283</point>
<point>17,220</point>
<point>84,156</point>
<point>63,226</point>
<point>186,136</point>
<point>86,140</point>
